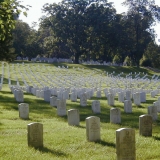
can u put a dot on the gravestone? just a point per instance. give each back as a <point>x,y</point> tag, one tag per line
<point>125,144</point>
<point>98,94</point>
<point>93,128</point>
<point>83,100</point>
<point>23,110</point>
<point>73,117</point>
<point>47,95</point>
<point>136,97</point>
<point>143,97</point>
<point>61,107</point>
<point>19,96</point>
<point>110,98</point>
<point>128,106</point>
<point>157,103</point>
<point>128,95</point>
<point>96,107</point>
<point>53,101</point>
<point>152,111</point>
<point>145,125</point>
<point>153,94</point>
<point>121,96</point>
<point>115,115</point>
<point>73,97</point>
<point>35,135</point>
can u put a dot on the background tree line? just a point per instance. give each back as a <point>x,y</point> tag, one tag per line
<point>87,30</point>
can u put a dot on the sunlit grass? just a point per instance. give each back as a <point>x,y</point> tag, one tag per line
<point>62,141</point>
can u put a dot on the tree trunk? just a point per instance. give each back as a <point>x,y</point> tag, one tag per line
<point>76,58</point>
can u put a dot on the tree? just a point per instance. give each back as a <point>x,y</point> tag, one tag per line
<point>140,17</point>
<point>73,25</point>
<point>9,11</point>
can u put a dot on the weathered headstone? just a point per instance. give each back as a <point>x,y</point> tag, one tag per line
<point>96,106</point>
<point>145,125</point>
<point>61,107</point>
<point>125,144</point>
<point>73,117</point>
<point>93,128</point>
<point>35,135</point>
<point>128,106</point>
<point>23,110</point>
<point>115,115</point>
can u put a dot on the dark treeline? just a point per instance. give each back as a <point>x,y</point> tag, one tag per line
<point>91,30</point>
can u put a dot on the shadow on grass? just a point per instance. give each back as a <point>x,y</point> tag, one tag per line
<point>104,143</point>
<point>156,138</point>
<point>54,152</point>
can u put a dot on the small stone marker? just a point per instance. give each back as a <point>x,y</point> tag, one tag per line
<point>35,135</point>
<point>93,128</point>
<point>61,107</point>
<point>145,125</point>
<point>96,106</point>
<point>125,144</point>
<point>23,110</point>
<point>115,115</point>
<point>73,117</point>
<point>128,106</point>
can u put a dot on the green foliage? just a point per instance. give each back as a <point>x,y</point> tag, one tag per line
<point>117,59</point>
<point>9,11</point>
<point>145,62</point>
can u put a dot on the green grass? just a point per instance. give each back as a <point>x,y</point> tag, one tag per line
<point>62,141</point>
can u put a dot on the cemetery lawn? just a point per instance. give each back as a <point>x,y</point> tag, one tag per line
<point>62,141</point>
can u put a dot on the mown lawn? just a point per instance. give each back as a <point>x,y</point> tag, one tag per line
<point>62,141</point>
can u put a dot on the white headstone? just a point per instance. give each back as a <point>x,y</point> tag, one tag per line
<point>115,115</point>
<point>83,100</point>
<point>61,107</point>
<point>73,117</point>
<point>110,98</point>
<point>23,110</point>
<point>128,106</point>
<point>152,111</point>
<point>53,101</point>
<point>96,106</point>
